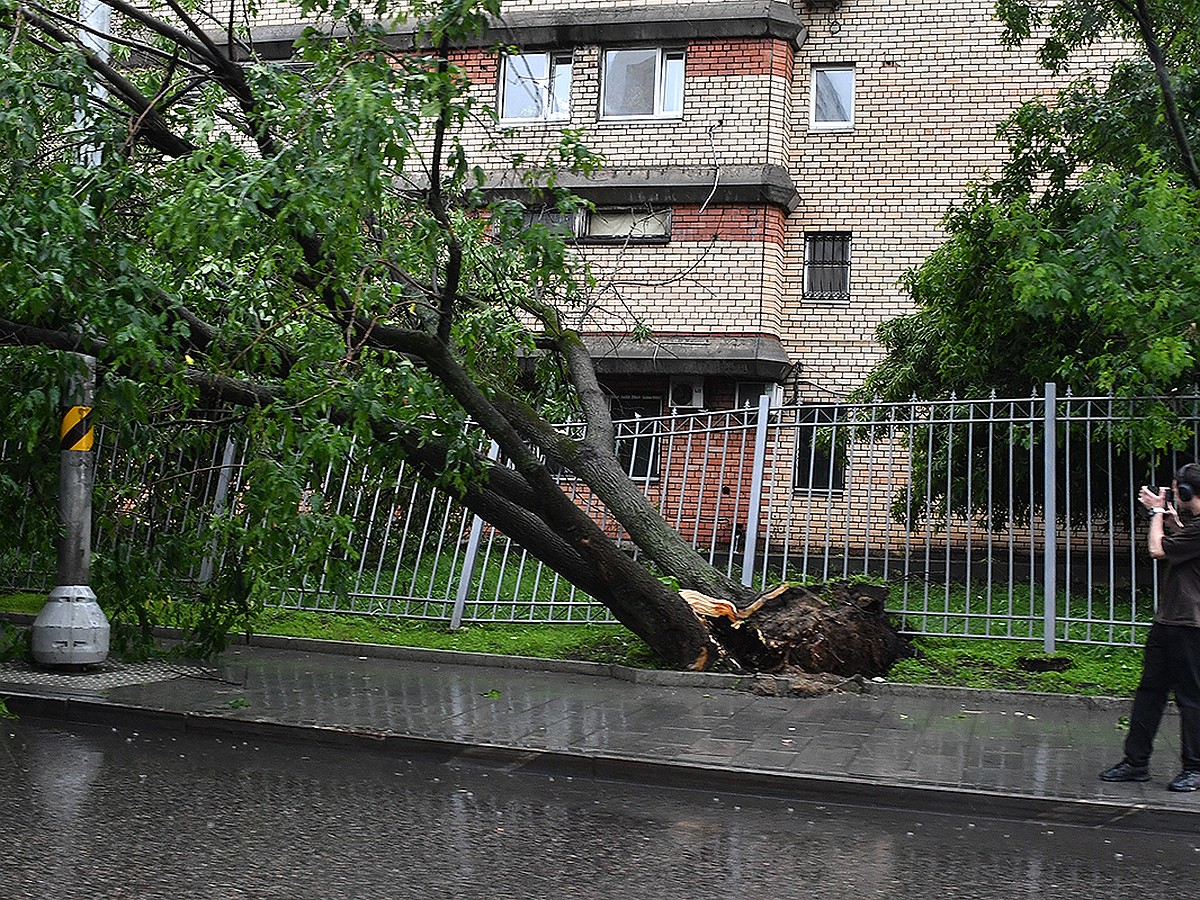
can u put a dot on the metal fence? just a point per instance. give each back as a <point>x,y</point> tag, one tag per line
<point>952,503</point>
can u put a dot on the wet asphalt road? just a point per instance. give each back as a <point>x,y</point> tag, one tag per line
<point>88,812</point>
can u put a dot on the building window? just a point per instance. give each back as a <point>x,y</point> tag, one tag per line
<point>748,393</point>
<point>535,87</point>
<point>833,97</point>
<point>642,83</point>
<point>563,224</point>
<point>827,265</point>
<point>626,224</point>
<point>820,450</point>
<point>637,423</point>
<point>622,225</point>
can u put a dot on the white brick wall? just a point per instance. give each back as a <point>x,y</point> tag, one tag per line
<point>932,83</point>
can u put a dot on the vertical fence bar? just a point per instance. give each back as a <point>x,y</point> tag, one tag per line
<point>756,483</point>
<point>468,568</point>
<point>218,508</point>
<point>1050,550</point>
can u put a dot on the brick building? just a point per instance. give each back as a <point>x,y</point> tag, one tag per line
<point>772,170</point>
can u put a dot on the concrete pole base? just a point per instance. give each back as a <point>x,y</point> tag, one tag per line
<point>71,629</point>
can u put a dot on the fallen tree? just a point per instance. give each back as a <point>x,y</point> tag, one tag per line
<point>313,251</point>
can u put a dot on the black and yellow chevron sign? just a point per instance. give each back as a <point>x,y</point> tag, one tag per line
<point>77,430</point>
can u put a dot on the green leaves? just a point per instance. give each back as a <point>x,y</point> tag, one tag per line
<point>1097,293</point>
<point>302,231</point>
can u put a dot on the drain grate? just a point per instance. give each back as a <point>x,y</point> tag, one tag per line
<point>109,674</point>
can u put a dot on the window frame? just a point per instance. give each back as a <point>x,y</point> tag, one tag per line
<point>664,55</point>
<point>584,234</point>
<point>546,87</point>
<point>643,448</point>
<point>815,471</point>
<point>577,226</point>
<point>836,124</point>
<point>811,265</point>
<point>566,225</point>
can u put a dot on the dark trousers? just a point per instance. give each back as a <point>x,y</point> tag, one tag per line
<point>1171,662</point>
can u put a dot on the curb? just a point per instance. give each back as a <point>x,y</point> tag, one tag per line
<point>774,685</point>
<point>778,685</point>
<point>598,766</point>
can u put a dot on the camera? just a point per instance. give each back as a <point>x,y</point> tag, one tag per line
<point>1168,496</point>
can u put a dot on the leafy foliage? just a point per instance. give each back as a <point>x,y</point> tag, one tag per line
<point>1078,265</point>
<point>307,255</point>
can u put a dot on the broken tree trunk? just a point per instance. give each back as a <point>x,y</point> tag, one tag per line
<point>838,628</point>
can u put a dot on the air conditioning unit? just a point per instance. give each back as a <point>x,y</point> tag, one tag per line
<point>687,392</point>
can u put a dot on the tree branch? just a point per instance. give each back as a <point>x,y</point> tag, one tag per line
<point>1170,107</point>
<point>18,334</point>
<point>157,134</point>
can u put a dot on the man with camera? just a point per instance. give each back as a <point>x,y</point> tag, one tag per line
<point>1172,654</point>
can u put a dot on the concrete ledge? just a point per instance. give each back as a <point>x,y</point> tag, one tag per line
<point>665,23</point>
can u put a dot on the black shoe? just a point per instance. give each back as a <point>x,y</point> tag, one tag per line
<point>1185,781</point>
<point>1123,771</point>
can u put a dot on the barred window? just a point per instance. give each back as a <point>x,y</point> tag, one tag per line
<point>827,265</point>
<point>638,435</point>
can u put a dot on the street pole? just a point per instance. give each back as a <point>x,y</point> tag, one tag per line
<point>71,629</point>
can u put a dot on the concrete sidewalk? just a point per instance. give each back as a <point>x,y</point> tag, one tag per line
<point>1009,755</point>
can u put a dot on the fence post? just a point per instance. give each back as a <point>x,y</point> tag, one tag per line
<point>756,484</point>
<point>1049,505</point>
<point>472,554</point>
<point>208,564</point>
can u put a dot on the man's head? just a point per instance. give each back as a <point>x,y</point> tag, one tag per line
<point>1187,488</point>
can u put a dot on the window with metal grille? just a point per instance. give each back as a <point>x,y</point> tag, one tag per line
<point>638,435</point>
<point>827,265</point>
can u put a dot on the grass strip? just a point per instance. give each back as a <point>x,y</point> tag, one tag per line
<point>988,664</point>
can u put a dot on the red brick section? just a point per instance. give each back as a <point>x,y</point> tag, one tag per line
<point>481,66</point>
<point>703,488</point>
<point>760,224</point>
<point>740,57</point>
<point>737,57</point>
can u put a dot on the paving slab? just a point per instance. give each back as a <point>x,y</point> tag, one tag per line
<point>1003,754</point>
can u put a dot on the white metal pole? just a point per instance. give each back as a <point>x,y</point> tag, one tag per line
<point>756,487</point>
<point>1050,550</point>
